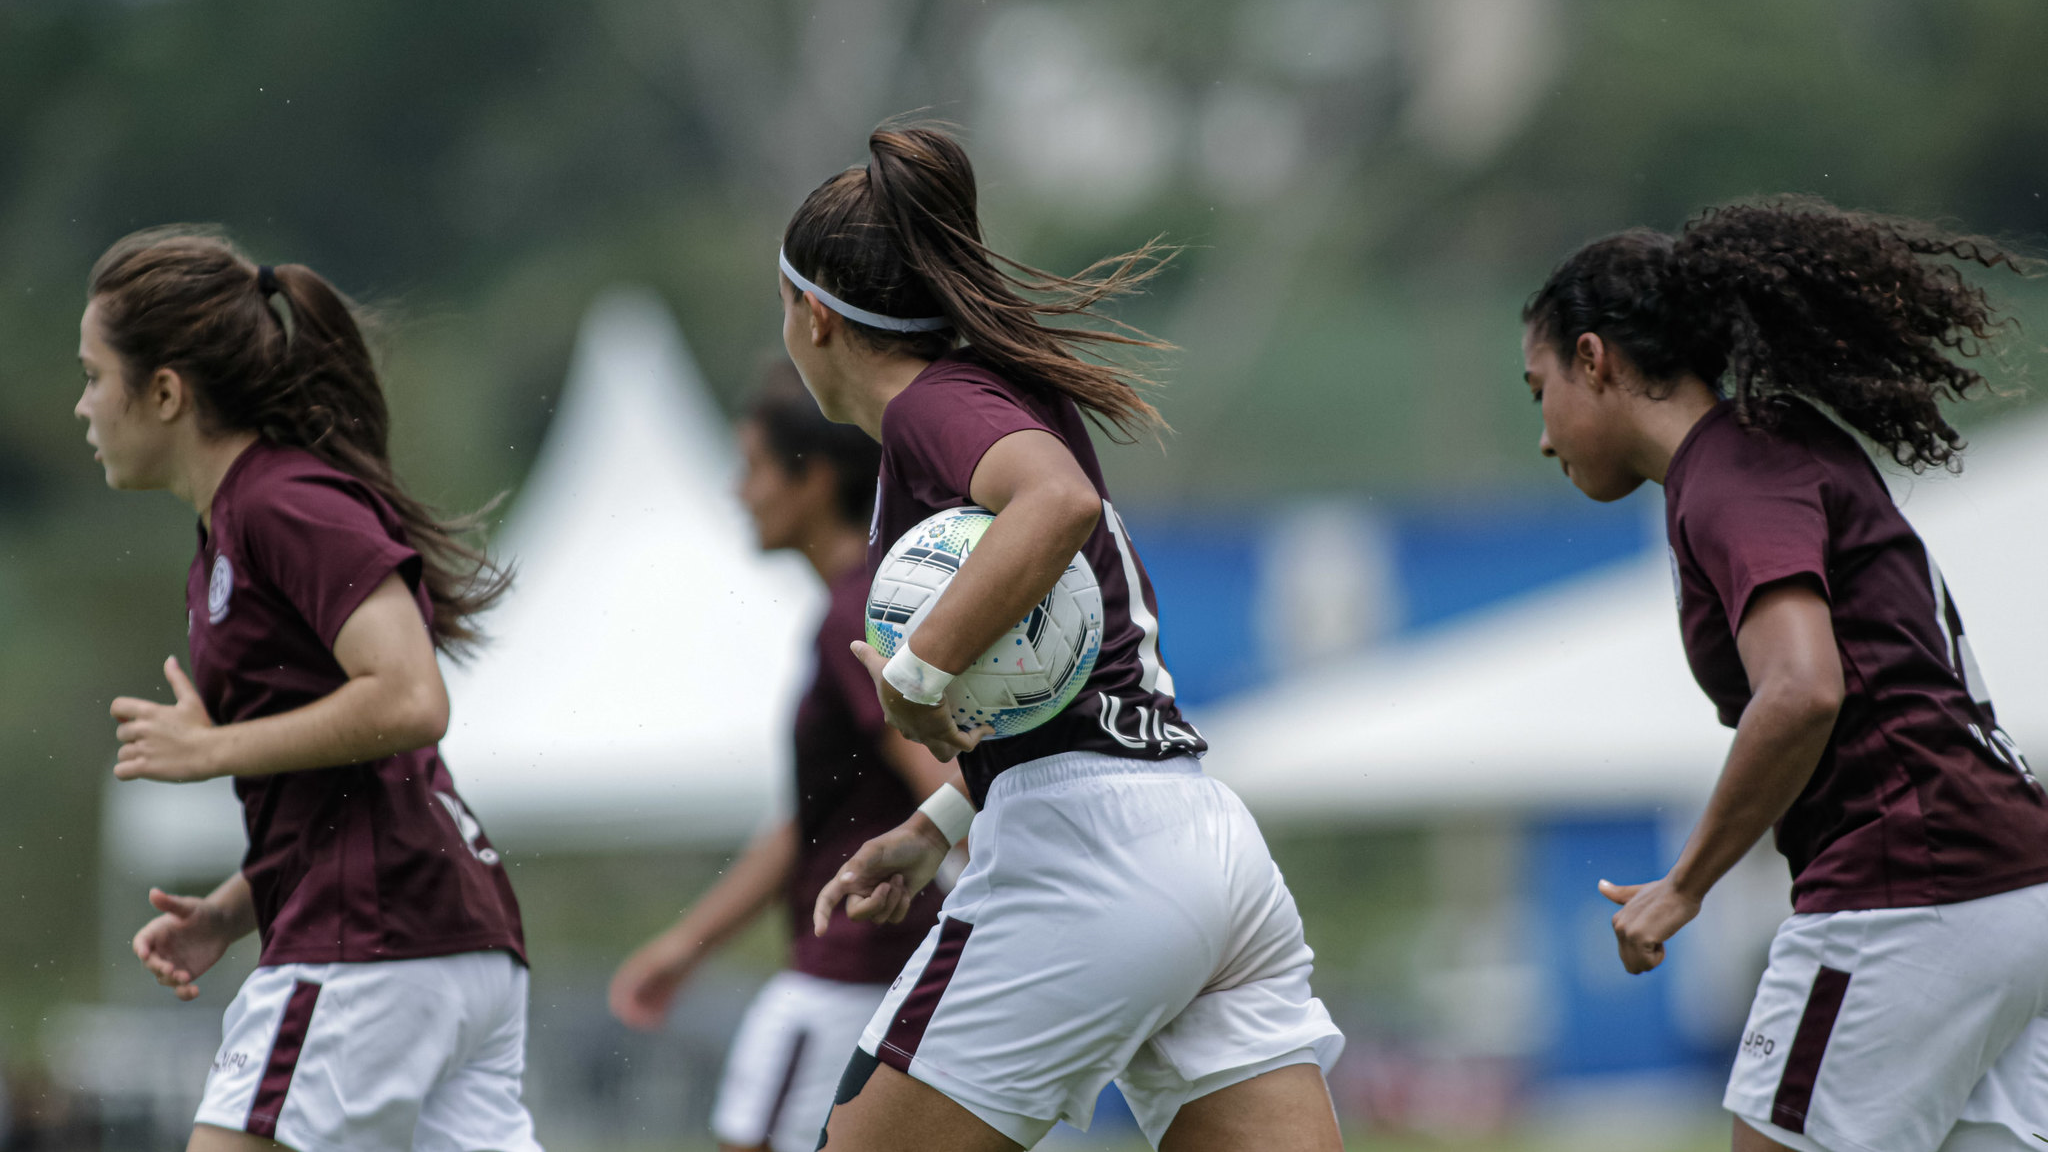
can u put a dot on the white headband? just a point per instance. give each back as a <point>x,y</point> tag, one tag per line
<point>871,319</point>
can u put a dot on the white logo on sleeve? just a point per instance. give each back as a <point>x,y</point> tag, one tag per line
<point>219,587</point>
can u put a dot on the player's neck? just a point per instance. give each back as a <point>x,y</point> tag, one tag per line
<point>882,379</point>
<point>835,550</point>
<point>205,464</point>
<point>1662,425</point>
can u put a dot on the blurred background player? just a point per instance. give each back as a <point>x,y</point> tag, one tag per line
<point>388,1009</point>
<point>1902,1007</point>
<point>1120,917</point>
<point>809,485</point>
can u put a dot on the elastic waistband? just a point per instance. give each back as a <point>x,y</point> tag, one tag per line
<point>1066,767</point>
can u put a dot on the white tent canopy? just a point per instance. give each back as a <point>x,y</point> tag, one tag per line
<point>641,672</point>
<point>1581,696</point>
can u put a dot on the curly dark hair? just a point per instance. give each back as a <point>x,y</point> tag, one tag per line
<point>1792,298</point>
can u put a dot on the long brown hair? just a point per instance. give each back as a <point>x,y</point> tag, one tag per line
<point>1862,313</point>
<point>279,352</point>
<point>900,236</point>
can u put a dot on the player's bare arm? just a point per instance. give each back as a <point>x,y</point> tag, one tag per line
<point>914,764</point>
<point>879,881</point>
<point>1045,508</point>
<point>1787,645</point>
<point>394,701</point>
<point>191,933</point>
<point>646,984</point>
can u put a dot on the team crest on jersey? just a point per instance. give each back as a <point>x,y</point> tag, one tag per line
<point>219,588</point>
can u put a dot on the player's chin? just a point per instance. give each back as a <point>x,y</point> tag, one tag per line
<point>1605,488</point>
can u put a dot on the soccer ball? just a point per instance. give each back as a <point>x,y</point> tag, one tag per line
<point>1035,669</point>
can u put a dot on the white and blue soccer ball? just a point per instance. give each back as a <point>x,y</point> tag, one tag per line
<point>1035,669</point>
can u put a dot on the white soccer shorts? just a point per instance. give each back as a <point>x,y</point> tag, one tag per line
<point>394,1054</point>
<point>786,1059</point>
<point>1902,1030</point>
<point>1119,919</point>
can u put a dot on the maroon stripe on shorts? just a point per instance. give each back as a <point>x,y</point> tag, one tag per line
<point>284,1060</point>
<point>906,1032</point>
<point>796,1059</point>
<point>1809,1044</point>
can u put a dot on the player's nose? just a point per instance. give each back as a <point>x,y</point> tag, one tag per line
<point>1543,444</point>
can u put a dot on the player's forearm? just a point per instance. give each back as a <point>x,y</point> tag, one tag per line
<point>1017,562</point>
<point>368,718</point>
<point>1777,745</point>
<point>234,905</point>
<point>753,882</point>
<point>921,772</point>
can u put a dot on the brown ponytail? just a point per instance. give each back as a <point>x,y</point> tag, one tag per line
<point>1864,314</point>
<point>900,237</point>
<point>283,356</point>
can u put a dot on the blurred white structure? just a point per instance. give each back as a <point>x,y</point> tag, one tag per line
<point>642,670</point>
<point>1580,697</point>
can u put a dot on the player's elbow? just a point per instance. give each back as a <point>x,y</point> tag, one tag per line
<point>420,715</point>
<point>1811,701</point>
<point>1076,508</point>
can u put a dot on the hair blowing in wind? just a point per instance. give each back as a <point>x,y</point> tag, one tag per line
<point>1867,315</point>
<point>297,373</point>
<point>900,236</point>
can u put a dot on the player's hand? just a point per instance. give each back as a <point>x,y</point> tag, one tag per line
<point>181,944</point>
<point>1650,914</point>
<point>928,724</point>
<point>171,742</point>
<point>645,986</point>
<point>880,880</point>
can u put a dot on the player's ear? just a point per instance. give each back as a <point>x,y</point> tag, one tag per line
<point>1591,360</point>
<point>824,321</point>
<point>168,395</point>
<point>820,478</point>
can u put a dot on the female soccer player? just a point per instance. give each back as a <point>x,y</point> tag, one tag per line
<point>1902,1007</point>
<point>388,1008</point>
<point>1120,917</point>
<point>809,485</point>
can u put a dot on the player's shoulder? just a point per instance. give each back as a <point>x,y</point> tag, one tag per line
<point>266,469</point>
<point>272,482</point>
<point>1725,455</point>
<point>956,383</point>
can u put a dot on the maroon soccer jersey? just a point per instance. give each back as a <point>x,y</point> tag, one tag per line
<point>1919,797</point>
<point>377,861</point>
<point>934,434</point>
<point>846,795</point>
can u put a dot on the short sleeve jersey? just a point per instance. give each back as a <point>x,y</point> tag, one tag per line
<point>846,794</point>
<point>934,434</point>
<point>375,861</point>
<point>1919,798</point>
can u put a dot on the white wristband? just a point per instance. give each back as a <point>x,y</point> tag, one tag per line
<point>951,811</point>
<point>919,682</point>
